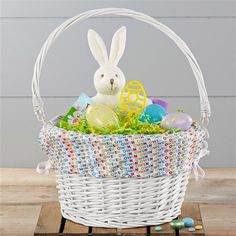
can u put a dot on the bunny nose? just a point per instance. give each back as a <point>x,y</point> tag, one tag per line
<point>112,81</point>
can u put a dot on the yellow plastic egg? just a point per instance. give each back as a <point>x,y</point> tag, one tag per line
<point>133,97</point>
<point>100,116</point>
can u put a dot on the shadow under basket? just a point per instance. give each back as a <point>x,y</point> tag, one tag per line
<point>121,181</point>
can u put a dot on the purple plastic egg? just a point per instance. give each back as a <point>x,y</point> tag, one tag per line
<point>160,102</point>
<point>177,120</point>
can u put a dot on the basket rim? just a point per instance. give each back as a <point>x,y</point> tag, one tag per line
<point>195,127</point>
<point>73,159</point>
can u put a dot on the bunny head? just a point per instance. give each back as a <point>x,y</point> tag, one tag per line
<point>108,79</point>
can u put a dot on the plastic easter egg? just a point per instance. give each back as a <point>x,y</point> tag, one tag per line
<point>198,227</point>
<point>158,228</point>
<point>153,113</point>
<point>177,224</point>
<point>177,120</point>
<point>160,102</point>
<point>188,222</point>
<point>133,97</point>
<point>100,116</point>
<point>191,229</point>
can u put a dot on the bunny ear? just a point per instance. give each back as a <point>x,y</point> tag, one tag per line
<point>97,47</point>
<point>118,45</point>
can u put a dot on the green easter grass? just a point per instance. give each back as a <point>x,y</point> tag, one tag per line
<point>128,124</point>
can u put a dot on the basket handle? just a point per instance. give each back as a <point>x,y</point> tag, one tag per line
<point>37,100</point>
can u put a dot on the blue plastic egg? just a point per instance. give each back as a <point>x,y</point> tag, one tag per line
<point>158,228</point>
<point>188,222</point>
<point>153,113</point>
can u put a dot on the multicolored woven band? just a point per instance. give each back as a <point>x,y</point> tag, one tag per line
<point>122,155</point>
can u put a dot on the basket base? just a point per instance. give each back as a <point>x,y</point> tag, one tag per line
<point>118,224</point>
<point>51,222</point>
<point>121,202</point>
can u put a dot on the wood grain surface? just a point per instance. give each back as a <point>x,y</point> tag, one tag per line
<point>218,187</point>
<point>50,221</point>
<point>23,191</point>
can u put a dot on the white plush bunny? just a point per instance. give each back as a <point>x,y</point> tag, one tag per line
<point>109,80</point>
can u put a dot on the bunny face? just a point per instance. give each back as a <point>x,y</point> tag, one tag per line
<point>108,79</point>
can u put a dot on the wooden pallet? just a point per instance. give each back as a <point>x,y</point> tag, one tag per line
<point>51,223</point>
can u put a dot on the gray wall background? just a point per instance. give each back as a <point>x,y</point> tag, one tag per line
<point>208,27</point>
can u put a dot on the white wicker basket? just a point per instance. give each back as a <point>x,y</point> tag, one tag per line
<point>121,202</point>
<point>117,201</point>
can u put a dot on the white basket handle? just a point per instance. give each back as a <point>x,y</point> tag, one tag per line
<point>37,100</point>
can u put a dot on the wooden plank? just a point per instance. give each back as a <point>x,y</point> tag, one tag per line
<point>29,177</point>
<point>72,228</point>
<point>211,191</point>
<point>11,195</point>
<point>18,220</point>
<point>133,231</point>
<point>26,176</point>
<point>219,219</point>
<point>166,230</point>
<point>188,209</point>
<point>49,220</point>
<point>191,210</point>
<point>217,187</point>
<point>104,231</point>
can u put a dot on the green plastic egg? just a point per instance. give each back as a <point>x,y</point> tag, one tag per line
<point>177,224</point>
<point>100,116</point>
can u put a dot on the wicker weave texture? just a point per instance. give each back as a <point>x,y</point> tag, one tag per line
<point>121,202</point>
